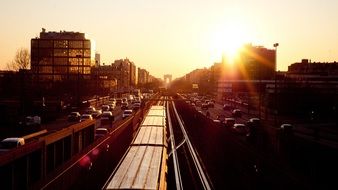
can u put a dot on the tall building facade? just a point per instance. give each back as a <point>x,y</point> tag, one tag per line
<point>143,76</point>
<point>63,55</point>
<point>133,78</point>
<point>125,72</point>
<point>253,63</point>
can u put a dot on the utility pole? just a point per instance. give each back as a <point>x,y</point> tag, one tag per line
<point>275,97</point>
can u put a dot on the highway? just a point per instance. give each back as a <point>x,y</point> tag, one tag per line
<point>203,154</point>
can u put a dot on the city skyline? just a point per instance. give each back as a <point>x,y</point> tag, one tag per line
<point>176,38</point>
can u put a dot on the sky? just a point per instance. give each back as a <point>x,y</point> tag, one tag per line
<point>176,37</point>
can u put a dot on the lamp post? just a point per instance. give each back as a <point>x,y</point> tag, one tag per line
<point>275,45</point>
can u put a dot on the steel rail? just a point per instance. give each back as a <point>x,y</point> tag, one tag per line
<point>202,175</point>
<point>178,179</point>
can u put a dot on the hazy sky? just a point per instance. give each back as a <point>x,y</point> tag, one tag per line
<point>177,36</point>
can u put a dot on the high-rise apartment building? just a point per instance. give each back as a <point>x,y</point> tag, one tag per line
<point>143,76</point>
<point>63,55</point>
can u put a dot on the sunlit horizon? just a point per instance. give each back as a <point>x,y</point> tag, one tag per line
<point>177,37</point>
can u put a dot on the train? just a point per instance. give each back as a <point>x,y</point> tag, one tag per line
<point>144,165</point>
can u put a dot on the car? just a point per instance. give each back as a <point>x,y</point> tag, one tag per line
<point>236,113</point>
<point>124,105</point>
<point>287,128</point>
<point>240,128</point>
<point>211,104</point>
<point>136,106</point>
<point>112,106</point>
<point>90,110</point>
<point>105,107</point>
<point>127,113</point>
<point>86,117</point>
<point>226,107</point>
<point>205,106</point>
<point>97,113</point>
<point>31,121</point>
<point>12,142</point>
<point>255,122</point>
<point>74,116</point>
<point>107,117</point>
<point>101,132</point>
<point>221,118</point>
<point>229,121</point>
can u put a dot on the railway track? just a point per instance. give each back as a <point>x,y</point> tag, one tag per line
<point>187,165</point>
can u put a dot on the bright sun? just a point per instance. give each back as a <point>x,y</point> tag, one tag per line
<point>227,42</point>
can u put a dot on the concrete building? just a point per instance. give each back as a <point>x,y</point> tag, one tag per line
<point>125,72</point>
<point>306,67</point>
<point>253,63</point>
<point>58,56</point>
<point>143,76</point>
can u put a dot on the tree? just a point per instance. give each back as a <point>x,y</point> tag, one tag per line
<point>20,61</point>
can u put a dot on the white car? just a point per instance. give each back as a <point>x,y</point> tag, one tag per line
<point>86,117</point>
<point>127,113</point>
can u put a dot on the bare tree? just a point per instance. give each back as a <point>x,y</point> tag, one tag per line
<point>20,61</point>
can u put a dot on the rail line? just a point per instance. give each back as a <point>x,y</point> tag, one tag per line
<point>196,162</point>
<point>178,179</point>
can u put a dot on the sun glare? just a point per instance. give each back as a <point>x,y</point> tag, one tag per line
<point>228,41</point>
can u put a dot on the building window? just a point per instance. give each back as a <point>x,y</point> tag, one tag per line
<point>46,44</point>
<point>75,61</point>
<point>57,77</point>
<point>60,44</point>
<point>60,61</point>
<point>73,70</point>
<point>86,70</point>
<point>45,53</point>
<point>46,61</point>
<point>86,44</point>
<point>60,52</point>
<point>75,44</point>
<point>87,62</point>
<point>46,69</point>
<point>86,53</point>
<point>75,52</point>
<point>60,70</point>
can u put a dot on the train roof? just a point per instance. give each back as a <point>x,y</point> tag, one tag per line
<point>150,136</point>
<point>153,121</point>
<point>140,168</point>
<point>156,112</point>
<point>157,108</point>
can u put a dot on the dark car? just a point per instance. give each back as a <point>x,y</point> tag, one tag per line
<point>229,122</point>
<point>240,129</point>
<point>74,116</point>
<point>221,118</point>
<point>236,113</point>
<point>226,107</point>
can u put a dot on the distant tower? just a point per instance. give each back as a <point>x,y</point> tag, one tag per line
<point>97,59</point>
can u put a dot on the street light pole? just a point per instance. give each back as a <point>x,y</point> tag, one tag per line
<point>275,106</point>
